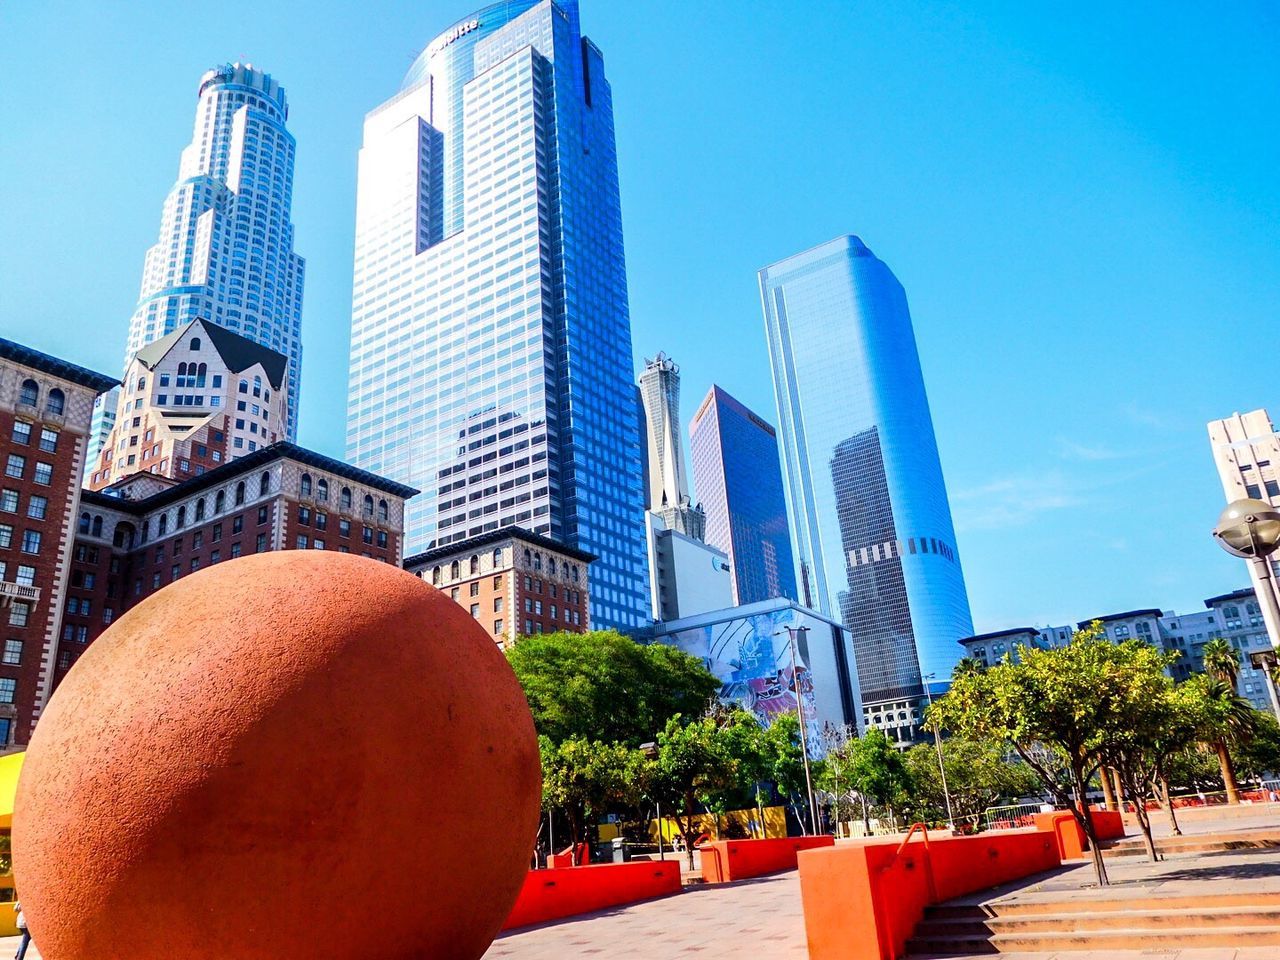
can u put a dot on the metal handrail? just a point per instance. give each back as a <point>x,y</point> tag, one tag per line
<point>928,871</point>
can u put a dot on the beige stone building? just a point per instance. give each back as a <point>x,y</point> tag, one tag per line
<point>191,401</point>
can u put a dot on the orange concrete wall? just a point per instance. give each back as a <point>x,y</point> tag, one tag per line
<point>860,903</point>
<point>726,860</point>
<point>568,891</point>
<point>1107,824</point>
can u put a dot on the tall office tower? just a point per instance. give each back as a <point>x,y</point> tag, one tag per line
<point>869,511</point>
<point>739,483</point>
<point>1246,451</point>
<point>104,418</point>
<point>666,490</point>
<point>225,251</point>
<point>491,342</point>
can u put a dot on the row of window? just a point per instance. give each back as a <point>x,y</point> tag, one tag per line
<point>37,506</point>
<point>24,576</point>
<point>22,432</point>
<point>16,467</point>
<point>319,491</point>
<point>31,539</point>
<point>55,401</point>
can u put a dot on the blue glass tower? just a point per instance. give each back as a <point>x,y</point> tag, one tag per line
<point>869,512</point>
<point>491,341</point>
<point>739,484</point>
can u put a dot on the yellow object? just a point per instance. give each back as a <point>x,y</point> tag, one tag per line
<point>8,920</point>
<point>10,767</point>
<point>775,824</point>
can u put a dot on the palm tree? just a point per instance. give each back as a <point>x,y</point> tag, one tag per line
<point>1222,661</point>
<point>966,666</point>
<point>1225,718</point>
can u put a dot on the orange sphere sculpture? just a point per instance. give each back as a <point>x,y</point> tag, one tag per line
<point>289,756</point>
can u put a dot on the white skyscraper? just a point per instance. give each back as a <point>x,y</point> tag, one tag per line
<point>666,480</point>
<point>225,251</point>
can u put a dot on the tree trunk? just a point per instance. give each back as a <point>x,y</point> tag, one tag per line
<point>1108,795</point>
<point>1144,824</point>
<point>1114,774</point>
<point>688,830</point>
<point>1168,806</point>
<point>1228,772</point>
<point>1083,817</point>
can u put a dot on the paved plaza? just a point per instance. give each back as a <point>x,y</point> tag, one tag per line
<point>761,919</point>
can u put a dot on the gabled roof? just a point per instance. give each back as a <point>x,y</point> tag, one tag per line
<point>237,352</point>
<point>27,357</point>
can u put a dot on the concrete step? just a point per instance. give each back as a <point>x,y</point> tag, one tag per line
<point>1097,940</point>
<point>1204,843</point>
<point>1072,903</point>
<point>1180,918</point>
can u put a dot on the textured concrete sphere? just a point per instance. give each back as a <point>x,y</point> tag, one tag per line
<point>294,755</point>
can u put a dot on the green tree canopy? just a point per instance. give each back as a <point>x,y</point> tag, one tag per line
<point>584,779</point>
<point>1221,660</point>
<point>980,774</point>
<point>603,686</point>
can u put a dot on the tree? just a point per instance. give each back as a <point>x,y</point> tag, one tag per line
<point>1223,718</point>
<point>701,759</point>
<point>869,765</point>
<point>980,774</point>
<point>583,778</point>
<point>967,665</point>
<point>783,762</point>
<point>1258,758</point>
<point>1221,661</point>
<point>1072,700</point>
<point>602,686</point>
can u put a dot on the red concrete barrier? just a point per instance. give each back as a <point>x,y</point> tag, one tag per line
<point>726,860</point>
<point>568,891</point>
<point>879,888</point>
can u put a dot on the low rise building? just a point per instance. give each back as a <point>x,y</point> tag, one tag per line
<point>147,531</point>
<point>513,581</point>
<point>46,406</point>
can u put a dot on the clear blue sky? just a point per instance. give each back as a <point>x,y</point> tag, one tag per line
<point>1082,202</point>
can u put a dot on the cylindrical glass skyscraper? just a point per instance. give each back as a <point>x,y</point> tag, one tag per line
<point>869,513</point>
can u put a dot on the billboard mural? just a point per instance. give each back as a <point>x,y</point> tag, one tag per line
<point>752,657</point>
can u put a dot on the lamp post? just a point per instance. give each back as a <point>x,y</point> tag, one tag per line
<point>1250,529</point>
<point>804,740</point>
<point>1266,660</point>
<point>650,750</point>
<point>937,745</point>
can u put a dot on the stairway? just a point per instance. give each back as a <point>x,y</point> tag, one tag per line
<point>1063,923</point>
<point>1265,838</point>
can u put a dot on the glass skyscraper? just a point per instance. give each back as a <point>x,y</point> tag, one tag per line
<point>738,482</point>
<point>869,511</point>
<point>491,356</point>
<point>225,251</point>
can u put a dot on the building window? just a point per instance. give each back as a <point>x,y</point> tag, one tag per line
<point>12,653</point>
<point>235,550</point>
<point>368,505</point>
<point>528,626</point>
<point>6,535</point>
<point>454,594</point>
<point>497,582</point>
<point>497,604</point>
<point>475,589</point>
<point>19,612</point>
<point>475,610</point>
<point>16,466</point>
<point>382,538</point>
<point>304,516</point>
<point>262,515</point>
<point>44,474</point>
<point>175,572</point>
<point>497,626</point>
<point>48,440</point>
<point>31,541</point>
<point>37,506</point>
<point>317,543</point>
<point>264,484</point>
<point>237,524</point>
<point>345,502</point>
<point>8,687</point>
<point>30,393</point>
<point>344,528</point>
<point>301,543</point>
<point>26,575</point>
<point>322,490</point>
<point>56,403</point>
<point>305,485</point>
<point>21,432</point>
<point>382,511</point>
<point>260,544</point>
<point>367,535</point>
<point>9,501</point>
<point>322,520</point>
<point>108,614</point>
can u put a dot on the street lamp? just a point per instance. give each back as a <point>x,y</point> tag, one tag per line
<point>937,745</point>
<point>804,740</point>
<point>650,750</point>
<point>1251,529</point>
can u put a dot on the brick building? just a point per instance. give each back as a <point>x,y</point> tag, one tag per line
<point>46,406</point>
<point>193,400</point>
<point>147,531</point>
<point>513,581</point>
